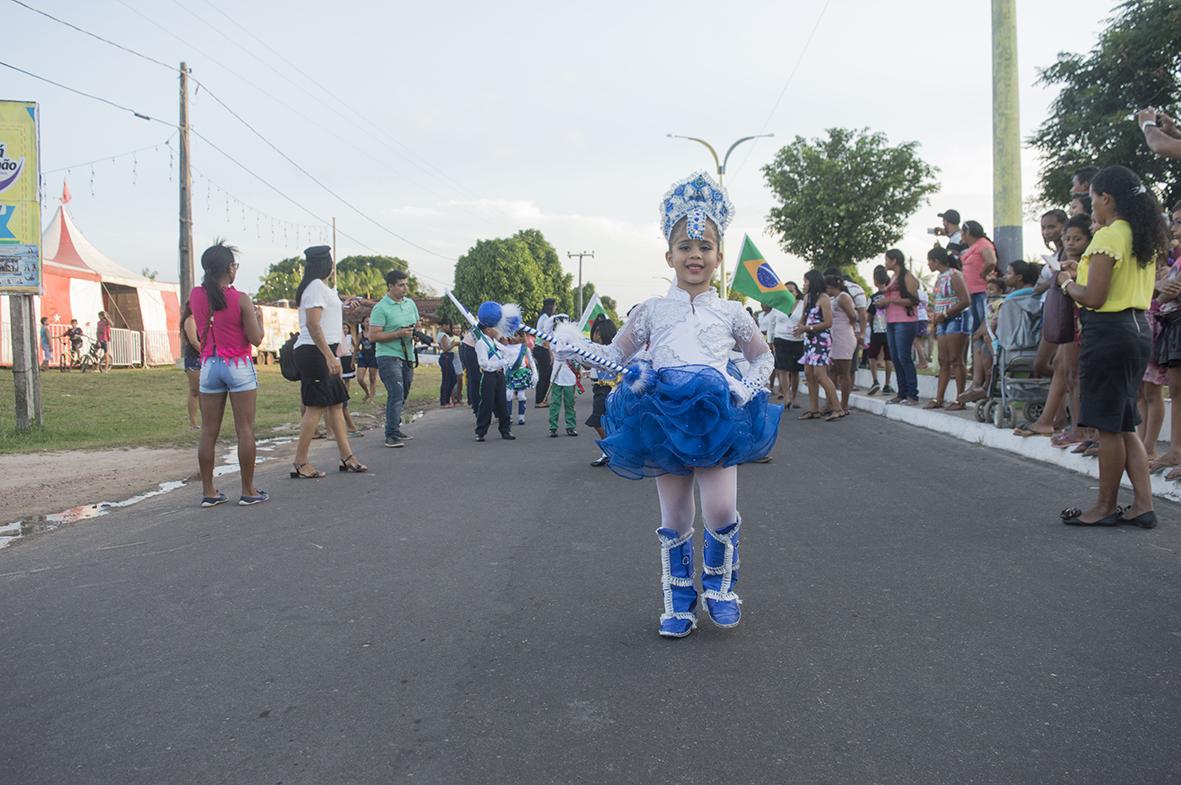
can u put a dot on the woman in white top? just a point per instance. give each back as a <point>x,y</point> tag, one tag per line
<point>788,348</point>
<point>322,391</point>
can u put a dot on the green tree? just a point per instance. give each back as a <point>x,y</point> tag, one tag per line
<point>281,280</point>
<point>503,270</point>
<point>845,198</point>
<point>362,276</point>
<point>1135,63</point>
<point>555,282</point>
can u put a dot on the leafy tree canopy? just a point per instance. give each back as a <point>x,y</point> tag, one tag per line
<point>845,198</point>
<point>361,276</point>
<point>503,270</point>
<point>1136,63</point>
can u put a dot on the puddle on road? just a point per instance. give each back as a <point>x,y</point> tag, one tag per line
<point>39,524</point>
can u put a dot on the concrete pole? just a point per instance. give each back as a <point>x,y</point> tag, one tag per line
<point>187,278</point>
<point>1006,135</point>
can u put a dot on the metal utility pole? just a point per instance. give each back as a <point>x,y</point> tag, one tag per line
<point>334,252</point>
<point>720,164</point>
<point>1006,135</point>
<point>580,254</point>
<point>187,278</point>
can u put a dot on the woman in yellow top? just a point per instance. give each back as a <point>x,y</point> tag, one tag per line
<point>1115,280</point>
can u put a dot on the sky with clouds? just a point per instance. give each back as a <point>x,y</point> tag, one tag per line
<point>432,125</point>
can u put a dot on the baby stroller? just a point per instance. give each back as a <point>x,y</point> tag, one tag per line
<point>1018,332</point>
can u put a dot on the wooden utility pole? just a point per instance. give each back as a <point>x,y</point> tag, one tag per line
<point>187,279</point>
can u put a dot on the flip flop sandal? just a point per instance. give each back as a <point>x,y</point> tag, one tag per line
<point>955,406</point>
<point>932,404</point>
<point>810,415</point>
<point>1174,475</point>
<point>1155,466</point>
<point>1083,446</point>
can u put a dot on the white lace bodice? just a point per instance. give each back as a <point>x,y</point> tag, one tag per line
<point>678,330</point>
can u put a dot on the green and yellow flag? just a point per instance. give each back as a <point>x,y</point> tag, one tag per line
<point>755,278</point>
<point>593,310</point>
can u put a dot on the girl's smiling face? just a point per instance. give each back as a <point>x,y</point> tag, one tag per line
<point>1051,230</point>
<point>694,261</point>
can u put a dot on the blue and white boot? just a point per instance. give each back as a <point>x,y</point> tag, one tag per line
<point>720,575</point>
<point>676,582</point>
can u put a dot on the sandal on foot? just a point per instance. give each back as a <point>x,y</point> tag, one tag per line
<point>355,468</point>
<point>955,406</point>
<point>298,474</point>
<point>810,415</point>
<point>1159,465</point>
<point>933,404</point>
<point>1173,474</point>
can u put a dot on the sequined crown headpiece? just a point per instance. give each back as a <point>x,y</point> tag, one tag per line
<point>695,198</point>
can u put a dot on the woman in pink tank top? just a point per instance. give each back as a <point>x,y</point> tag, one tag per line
<point>227,327</point>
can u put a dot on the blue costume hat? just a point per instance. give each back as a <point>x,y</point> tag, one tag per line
<point>695,198</point>
<point>489,314</point>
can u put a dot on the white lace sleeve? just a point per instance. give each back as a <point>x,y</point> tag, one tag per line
<point>631,338</point>
<point>755,350</point>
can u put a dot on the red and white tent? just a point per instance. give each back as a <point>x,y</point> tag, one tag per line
<point>79,281</point>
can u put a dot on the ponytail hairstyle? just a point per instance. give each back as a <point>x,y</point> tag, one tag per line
<point>975,229</point>
<point>939,255</point>
<point>836,282</point>
<point>318,266</point>
<point>216,262</point>
<point>899,260</point>
<point>816,285</point>
<point>1137,205</point>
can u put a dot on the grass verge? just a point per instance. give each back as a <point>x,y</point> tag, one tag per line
<point>147,408</point>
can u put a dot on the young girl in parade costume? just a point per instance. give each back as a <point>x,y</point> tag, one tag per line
<point>521,376</point>
<point>680,417</point>
<point>493,360</point>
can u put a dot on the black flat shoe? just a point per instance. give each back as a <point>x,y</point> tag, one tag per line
<point>479,438</point>
<point>1145,520</point>
<point>1073,517</point>
<point>571,432</point>
<point>508,436</point>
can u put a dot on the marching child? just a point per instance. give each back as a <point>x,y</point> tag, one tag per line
<point>492,359</point>
<point>603,382</point>
<point>679,417</point>
<point>521,375</point>
<point>563,380</point>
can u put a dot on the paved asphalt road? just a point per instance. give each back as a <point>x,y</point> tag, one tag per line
<point>913,614</point>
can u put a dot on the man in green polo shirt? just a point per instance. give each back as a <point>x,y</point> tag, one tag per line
<point>391,328</point>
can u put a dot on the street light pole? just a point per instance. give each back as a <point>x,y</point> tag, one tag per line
<point>720,165</point>
<point>580,254</point>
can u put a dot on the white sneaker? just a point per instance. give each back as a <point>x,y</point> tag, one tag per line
<point>520,421</point>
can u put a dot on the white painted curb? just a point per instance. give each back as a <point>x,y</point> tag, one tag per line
<point>1037,448</point>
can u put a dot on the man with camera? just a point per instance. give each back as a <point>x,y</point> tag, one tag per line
<point>1161,133</point>
<point>391,328</point>
<point>951,230</point>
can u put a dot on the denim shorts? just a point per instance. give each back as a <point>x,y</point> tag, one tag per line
<point>956,325</point>
<point>220,376</point>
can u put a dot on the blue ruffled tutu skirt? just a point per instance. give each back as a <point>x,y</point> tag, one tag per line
<point>686,421</point>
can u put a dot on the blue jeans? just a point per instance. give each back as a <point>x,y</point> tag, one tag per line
<point>900,338</point>
<point>396,374</point>
<point>977,311</point>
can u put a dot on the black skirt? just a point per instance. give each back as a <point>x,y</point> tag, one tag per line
<point>316,387</point>
<point>1115,351</point>
<point>788,354</point>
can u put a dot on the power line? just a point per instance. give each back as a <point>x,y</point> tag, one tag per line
<point>95,35</point>
<point>91,96</point>
<point>790,76</point>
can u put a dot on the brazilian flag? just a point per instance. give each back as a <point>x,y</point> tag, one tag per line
<point>755,278</point>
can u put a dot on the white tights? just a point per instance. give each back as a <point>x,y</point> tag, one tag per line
<point>719,498</point>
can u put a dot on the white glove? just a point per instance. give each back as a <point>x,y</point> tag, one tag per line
<point>565,351</point>
<point>739,392</point>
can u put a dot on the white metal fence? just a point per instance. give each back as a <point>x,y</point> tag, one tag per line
<point>126,346</point>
